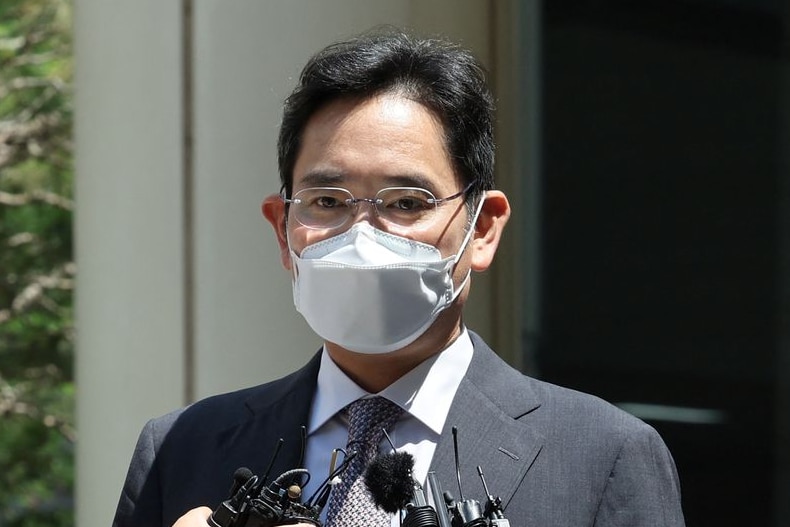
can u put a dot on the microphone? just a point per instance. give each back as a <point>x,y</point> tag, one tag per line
<point>493,509</point>
<point>438,499</point>
<point>229,510</point>
<point>321,496</point>
<point>254,502</point>
<point>240,477</point>
<point>389,480</point>
<point>468,512</point>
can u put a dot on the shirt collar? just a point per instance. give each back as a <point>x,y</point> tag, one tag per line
<point>426,392</point>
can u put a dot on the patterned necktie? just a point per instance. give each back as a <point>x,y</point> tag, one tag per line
<point>350,504</point>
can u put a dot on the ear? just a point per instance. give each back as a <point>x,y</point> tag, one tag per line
<point>488,229</point>
<point>273,210</point>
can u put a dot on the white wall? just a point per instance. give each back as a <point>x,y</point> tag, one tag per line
<point>180,291</point>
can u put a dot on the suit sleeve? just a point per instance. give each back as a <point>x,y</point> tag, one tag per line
<point>643,488</point>
<point>140,504</point>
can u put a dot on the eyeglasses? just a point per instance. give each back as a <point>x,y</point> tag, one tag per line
<point>332,207</point>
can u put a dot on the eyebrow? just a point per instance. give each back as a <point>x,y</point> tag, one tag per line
<point>410,180</point>
<point>321,178</point>
<point>326,178</point>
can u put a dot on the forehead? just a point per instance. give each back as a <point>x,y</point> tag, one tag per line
<point>382,141</point>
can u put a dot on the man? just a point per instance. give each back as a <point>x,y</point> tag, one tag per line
<point>387,207</point>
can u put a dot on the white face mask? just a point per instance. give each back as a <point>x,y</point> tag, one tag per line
<point>370,291</point>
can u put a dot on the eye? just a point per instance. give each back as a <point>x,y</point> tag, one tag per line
<point>409,203</point>
<point>328,202</point>
<point>406,200</point>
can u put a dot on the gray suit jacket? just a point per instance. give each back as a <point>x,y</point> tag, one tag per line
<point>556,457</point>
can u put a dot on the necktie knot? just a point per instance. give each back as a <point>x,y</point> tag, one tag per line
<point>368,418</point>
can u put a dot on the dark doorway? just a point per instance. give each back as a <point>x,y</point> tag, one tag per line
<point>664,206</point>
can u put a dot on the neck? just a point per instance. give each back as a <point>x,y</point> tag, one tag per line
<point>373,373</point>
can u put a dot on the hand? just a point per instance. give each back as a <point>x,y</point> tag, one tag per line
<point>199,518</point>
<point>195,518</point>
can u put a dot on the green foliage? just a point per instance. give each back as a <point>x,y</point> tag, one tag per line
<point>36,265</point>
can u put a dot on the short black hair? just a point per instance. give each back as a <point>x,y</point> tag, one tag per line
<point>436,73</point>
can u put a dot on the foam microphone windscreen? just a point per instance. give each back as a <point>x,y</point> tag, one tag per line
<point>389,480</point>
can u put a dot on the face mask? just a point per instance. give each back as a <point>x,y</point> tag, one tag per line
<point>370,291</point>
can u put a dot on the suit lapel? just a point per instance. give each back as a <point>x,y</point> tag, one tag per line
<point>486,411</point>
<point>278,411</point>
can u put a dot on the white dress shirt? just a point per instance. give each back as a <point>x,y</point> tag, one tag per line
<point>425,394</point>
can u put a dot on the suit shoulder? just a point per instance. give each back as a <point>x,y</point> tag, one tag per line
<point>229,409</point>
<point>552,408</point>
<point>218,410</point>
<point>561,404</point>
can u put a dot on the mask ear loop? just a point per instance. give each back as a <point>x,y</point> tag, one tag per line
<point>291,252</point>
<point>461,249</point>
<point>470,232</point>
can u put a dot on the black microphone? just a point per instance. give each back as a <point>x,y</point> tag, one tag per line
<point>493,509</point>
<point>466,512</point>
<point>228,512</point>
<point>391,484</point>
<point>388,477</point>
<point>254,503</point>
<point>240,477</point>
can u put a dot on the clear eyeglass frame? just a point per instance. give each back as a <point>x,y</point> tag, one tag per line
<point>327,208</point>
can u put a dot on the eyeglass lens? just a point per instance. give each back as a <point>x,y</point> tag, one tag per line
<point>332,207</point>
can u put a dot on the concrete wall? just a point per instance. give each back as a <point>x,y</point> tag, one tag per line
<point>180,292</point>
<point>129,231</point>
